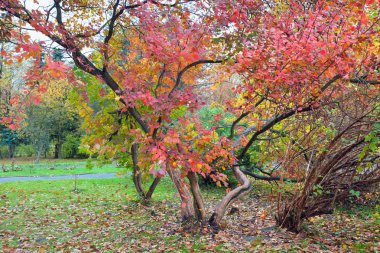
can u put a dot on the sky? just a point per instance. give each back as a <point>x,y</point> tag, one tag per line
<point>37,36</point>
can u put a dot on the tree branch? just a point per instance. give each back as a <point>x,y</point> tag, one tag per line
<point>364,81</point>
<point>59,12</point>
<point>271,122</point>
<point>180,74</point>
<point>271,178</point>
<point>243,115</point>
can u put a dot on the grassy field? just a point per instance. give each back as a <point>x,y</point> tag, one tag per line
<point>50,167</point>
<point>102,215</point>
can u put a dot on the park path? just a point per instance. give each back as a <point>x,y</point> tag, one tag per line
<point>58,177</point>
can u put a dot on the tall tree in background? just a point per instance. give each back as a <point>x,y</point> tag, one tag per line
<point>11,83</point>
<point>51,118</point>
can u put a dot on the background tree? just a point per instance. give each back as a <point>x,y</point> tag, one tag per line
<point>52,118</point>
<point>11,84</point>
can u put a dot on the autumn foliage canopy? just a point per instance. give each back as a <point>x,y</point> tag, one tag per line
<point>277,69</point>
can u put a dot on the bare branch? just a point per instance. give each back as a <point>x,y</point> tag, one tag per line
<point>59,12</point>
<point>183,71</point>
<point>364,81</point>
<point>272,178</point>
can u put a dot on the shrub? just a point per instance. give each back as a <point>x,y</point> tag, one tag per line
<point>24,150</point>
<point>70,148</point>
<point>3,152</point>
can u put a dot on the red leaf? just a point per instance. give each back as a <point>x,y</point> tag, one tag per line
<point>37,100</point>
<point>235,16</point>
<point>7,119</point>
<point>12,126</point>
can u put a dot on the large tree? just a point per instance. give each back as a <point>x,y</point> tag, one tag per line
<point>291,57</point>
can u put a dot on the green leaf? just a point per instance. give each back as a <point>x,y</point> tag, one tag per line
<point>355,193</point>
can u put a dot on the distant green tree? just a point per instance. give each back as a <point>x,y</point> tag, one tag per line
<point>52,119</point>
<point>8,138</point>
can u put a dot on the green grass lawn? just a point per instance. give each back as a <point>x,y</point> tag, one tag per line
<point>103,215</point>
<point>50,167</point>
<point>51,214</point>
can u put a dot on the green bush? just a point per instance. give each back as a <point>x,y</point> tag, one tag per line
<point>3,151</point>
<point>24,150</point>
<point>70,146</point>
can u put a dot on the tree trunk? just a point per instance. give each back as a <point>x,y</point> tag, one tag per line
<point>289,216</point>
<point>197,197</point>
<point>39,151</point>
<point>136,171</point>
<point>146,196</point>
<point>292,215</point>
<point>220,209</point>
<point>187,205</point>
<point>11,150</point>
<point>58,151</point>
